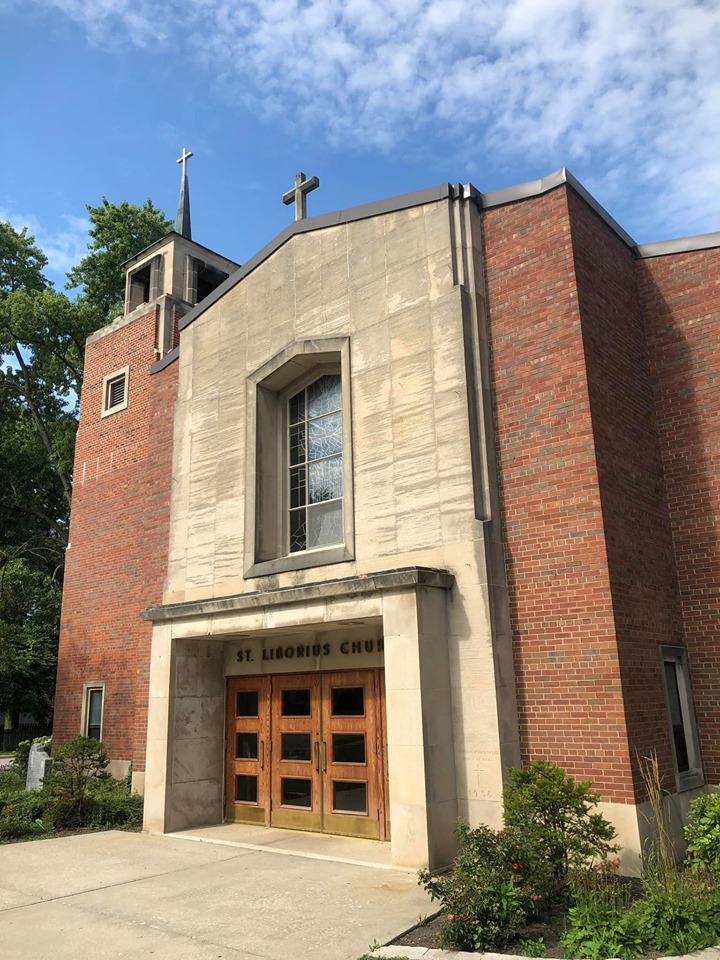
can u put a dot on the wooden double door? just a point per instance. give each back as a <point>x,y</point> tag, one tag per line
<point>306,751</point>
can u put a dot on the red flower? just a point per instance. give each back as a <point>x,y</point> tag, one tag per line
<point>516,866</point>
<point>537,896</point>
<point>451,916</point>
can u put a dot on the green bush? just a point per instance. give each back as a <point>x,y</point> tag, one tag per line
<point>680,919</point>
<point>77,766</point>
<point>25,815</point>
<point>552,814</point>
<point>702,831</point>
<point>10,784</point>
<point>599,922</point>
<point>20,759</point>
<point>112,804</point>
<point>483,895</point>
<point>532,948</point>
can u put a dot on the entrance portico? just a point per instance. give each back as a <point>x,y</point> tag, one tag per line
<point>385,629</point>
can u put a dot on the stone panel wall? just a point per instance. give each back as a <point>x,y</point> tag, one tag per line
<point>681,303</point>
<point>389,284</point>
<point>117,560</point>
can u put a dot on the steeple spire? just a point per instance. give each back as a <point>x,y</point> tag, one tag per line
<point>182,224</point>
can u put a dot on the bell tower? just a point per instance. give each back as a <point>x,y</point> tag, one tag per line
<point>173,273</point>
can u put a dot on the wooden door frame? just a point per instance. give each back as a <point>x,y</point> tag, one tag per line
<point>239,812</point>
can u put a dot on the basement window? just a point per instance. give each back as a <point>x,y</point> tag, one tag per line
<point>115,391</point>
<point>681,719</point>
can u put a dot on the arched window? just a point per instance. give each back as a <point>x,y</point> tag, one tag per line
<point>299,491</point>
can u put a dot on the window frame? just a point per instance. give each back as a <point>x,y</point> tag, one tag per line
<point>266,475</point>
<point>88,688</point>
<point>692,777</point>
<point>106,410</point>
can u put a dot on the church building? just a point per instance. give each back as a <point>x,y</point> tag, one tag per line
<point>426,489</point>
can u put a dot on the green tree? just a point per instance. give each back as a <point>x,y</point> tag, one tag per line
<point>29,618</point>
<point>42,354</point>
<point>118,232</point>
<point>21,262</point>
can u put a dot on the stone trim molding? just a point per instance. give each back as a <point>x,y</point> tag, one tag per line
<point>409,577</point>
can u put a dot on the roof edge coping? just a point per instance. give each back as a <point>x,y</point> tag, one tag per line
<point>336,218</point>
<point>535,188</point>
<point>661,248</point>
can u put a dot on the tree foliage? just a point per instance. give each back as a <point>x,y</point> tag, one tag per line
<point>29,618</point>
<point>118,232</point>
<point>42,354</point>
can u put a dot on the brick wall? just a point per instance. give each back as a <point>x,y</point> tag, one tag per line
<point>681,301</point>
<point>570,695</point>
<point>117,561</point>
<point>638,542</point>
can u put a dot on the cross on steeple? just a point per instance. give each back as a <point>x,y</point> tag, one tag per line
<point>182,224</point>
<point>183,160</point>
<point>299,194</point>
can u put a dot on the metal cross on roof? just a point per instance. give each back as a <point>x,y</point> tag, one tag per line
<point>182,224</point>
<point>299,194</point>
<point>183,160</point>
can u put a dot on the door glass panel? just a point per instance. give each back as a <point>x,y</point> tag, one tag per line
<point>295,792</point>
<point>349,797</point>
<point>247,703</point>
<point>246,746</point>
<point>296,703</point>
<point>348,702</point>
<point>348,748</point>
<point>246,789</point>
<point>295,746</point>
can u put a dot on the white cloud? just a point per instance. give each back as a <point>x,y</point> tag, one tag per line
<point>64,247</point>
<point>629,88</point>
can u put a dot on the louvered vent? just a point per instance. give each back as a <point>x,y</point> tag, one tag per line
<point>115,392</point>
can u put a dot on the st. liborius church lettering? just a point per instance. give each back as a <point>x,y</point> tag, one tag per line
<point>262,655</point>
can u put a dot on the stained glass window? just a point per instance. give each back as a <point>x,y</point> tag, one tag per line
<point>315,465</point>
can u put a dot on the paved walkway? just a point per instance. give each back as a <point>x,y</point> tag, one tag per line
<point>226,893</point>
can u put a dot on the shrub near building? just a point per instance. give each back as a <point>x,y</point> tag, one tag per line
<point>78,794</point>
<point>550,863</point>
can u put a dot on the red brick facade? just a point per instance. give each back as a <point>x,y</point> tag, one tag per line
<point>605,371</point>
<point>681,304</point>
<point>607,417</point>
<point>568,675</point>
<point>117,561</point>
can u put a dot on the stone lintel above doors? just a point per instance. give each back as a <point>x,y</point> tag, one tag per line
<point>383,580</point>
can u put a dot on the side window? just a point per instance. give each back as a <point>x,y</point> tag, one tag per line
<point>681,718</point>
<point>93,703</point>
<point>115,391</point>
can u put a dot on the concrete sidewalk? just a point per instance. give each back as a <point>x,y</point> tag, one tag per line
<point>200,896</point>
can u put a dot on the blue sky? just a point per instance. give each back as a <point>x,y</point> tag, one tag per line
<point>375,97</point>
